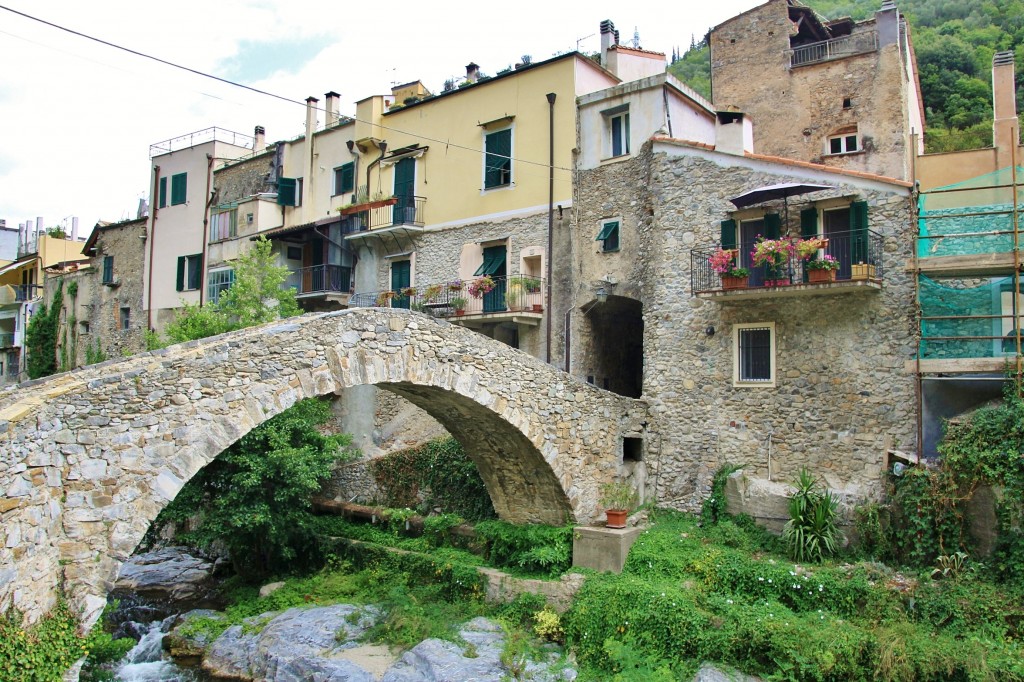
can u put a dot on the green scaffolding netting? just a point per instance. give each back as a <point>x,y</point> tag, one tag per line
<point>959,219</point>
<point>968,317</point>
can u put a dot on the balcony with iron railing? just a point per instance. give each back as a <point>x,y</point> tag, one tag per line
<point>212,134</point>
<point>836,48</point>
<point>517,299</point>
<point>321,280</point>
<point>384,213</point>
<point>8,340</point>
<point>856,257</point>
<point>19,293</point>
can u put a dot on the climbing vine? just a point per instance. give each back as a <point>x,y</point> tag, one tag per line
<point>43,651</point>
<point>438,471</point>
<point>41,336</point>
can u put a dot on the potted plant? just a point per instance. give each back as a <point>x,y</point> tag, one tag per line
<point>408,292</point>
<point>774,255</point>
<point>808,248</point>
<point>384,299</point>
<point>618,498</point>
<point>515,294</point>
<point>723,261</point>
<point>432,293</point>
<point>454,286</point>
<point>459,304</point>
<point>820,270</point>
<point>479,287</point>
<point>862,271</point>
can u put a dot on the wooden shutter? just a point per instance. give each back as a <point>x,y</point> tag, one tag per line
<point>859,231</point>
<point>772,226</point>
<point>728,234</point>
<point>498,164</point>
<point>195,274</point>
<point>179,184</point>
<point>108,269</point>
<point>162,201</point>
<point>180,282</point>
<point>809,223</point>
<point>348,178</point>
<point>286,191</point>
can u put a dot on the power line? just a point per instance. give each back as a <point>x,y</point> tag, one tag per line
<point>266,93</point>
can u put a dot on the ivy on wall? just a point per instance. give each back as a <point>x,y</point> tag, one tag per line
<point>41,336</point>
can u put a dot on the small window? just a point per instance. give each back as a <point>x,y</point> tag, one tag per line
<point>754,354</point>
<point>126,319</point>
<point>843,144</point>
<point>179,188</point>
<point>190,272</point>
<point>632,449</point>
<point>294,253</point>
<point>217,282</point>
<point>108,270</point>
<point>498,159</point>
<point>609,235</point>
<point>344,178</point>
<point>618,128</point>
<point>847,103</point>
<point>224,225</point>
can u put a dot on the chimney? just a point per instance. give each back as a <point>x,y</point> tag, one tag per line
<point>734,133</point>
<point>260,139</point>
<point>1005,124</point>
<point>332,108</point>
<point>74,229</point>
<point>143,209</point>
<point>472,72</point>
<point>887,22</point>
<point>39,226</point>
<point>609,37</point>
<point>308,182</point>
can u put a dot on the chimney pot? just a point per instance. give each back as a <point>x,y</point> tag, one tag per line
<point>332,108</point>
<point>472,72</point>
<point>259,139</point>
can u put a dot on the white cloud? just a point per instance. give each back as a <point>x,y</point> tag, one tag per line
<point>78,117</point>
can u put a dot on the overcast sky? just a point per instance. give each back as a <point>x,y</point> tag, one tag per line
<point>77,118</point>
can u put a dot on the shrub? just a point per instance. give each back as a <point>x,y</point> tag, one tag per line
<point>811,534</point>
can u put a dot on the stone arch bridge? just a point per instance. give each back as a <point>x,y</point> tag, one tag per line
<point>88,458</point>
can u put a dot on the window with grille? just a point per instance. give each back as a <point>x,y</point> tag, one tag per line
<point>754,354</point>
<point>217,282</point>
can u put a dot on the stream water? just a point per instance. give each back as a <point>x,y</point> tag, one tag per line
<point>147,623</point>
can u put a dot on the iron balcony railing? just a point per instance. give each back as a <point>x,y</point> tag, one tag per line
<point>213,134</point>
<point>837,48</point>
<point>27,292</point>
<point>859,255</point>
<point>458,298</point>
<point>324,279</point>
<point>7,340</point>
<point>402,210</point>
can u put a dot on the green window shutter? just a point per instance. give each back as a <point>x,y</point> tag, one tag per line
<point>497,160</point>
<point>108,269</point>
<point>607,229</point>
<point>809,223</point>
<point>772,226</point>
<point>348,178</point>
<point>859,231</point>
<point>163,193</point>
<point>180,283</point>
<point>728,234</point>
<point>611,242</point>
<point>286,191</point>
<point>179,185</point>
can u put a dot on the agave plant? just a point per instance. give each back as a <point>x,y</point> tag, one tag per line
<point>811,534</point>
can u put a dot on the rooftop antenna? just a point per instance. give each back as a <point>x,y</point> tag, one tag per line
<point>580,40</point>
<point>636,38</point>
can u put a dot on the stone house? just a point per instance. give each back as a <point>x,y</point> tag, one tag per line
<point>840,93</point>
<point>104,318</point>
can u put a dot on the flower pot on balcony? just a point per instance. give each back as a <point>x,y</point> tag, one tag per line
<point>862,271</point>
<point>821,276</point>
<point>538,307</point>
<point>616,518</point>
<point>459,312</point>
<point>367,205</point>
<point>729,282</point>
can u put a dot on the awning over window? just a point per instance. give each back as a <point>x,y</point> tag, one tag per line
<point>492,263</point>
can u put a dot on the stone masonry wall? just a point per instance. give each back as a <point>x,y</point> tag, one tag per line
<point>841,397</point>
<point>88,458</point>
<point>795,110</point>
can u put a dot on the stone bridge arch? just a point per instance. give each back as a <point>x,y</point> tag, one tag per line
<point>90,457</point>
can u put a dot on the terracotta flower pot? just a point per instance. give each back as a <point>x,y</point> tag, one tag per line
<point>821,276</point>
<point>729,282</point>
<point>616,518</point>
<point>538,307</point>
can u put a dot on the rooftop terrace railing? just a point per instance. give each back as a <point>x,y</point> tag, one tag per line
<point>836,48</point>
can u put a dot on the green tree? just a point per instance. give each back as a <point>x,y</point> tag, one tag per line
<point>255,497</point>
<point>41,336</point>
<point>257,296</point>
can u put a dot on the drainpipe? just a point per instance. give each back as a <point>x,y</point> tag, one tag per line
<point>551,211</point>
<point>155,210</point>
<point>206,227</point>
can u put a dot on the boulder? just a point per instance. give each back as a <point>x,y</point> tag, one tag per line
<point>711,673</point>
<point>293,646</point>
<point>170,573</point>
<point>189,646</point>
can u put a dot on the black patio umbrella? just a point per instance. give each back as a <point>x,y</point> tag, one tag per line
<point>771,192</point>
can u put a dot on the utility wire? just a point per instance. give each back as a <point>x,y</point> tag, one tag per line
<point>226,81</point>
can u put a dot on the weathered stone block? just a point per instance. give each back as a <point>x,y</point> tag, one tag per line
<point>602,549</point>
